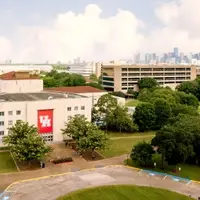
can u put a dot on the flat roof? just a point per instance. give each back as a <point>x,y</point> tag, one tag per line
<point>36,96</point>
<point>76,89</point>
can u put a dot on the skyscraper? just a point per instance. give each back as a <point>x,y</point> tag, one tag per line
<point>176,52</point>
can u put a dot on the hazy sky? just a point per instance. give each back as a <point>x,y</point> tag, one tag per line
<point>55,30</point>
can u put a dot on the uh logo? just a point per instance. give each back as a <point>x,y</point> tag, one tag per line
<point>45,121</point>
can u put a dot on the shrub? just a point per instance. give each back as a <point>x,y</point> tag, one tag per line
<point>62,160</point>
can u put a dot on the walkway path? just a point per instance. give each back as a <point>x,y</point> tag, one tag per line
<point>7,179</point>
<point>53,187</point>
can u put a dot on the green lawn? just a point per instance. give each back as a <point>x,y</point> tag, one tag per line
<point>122,134</point>
<point>117,147</point>
<point>132,102</point>
<point>187,171</point>
<point>6,163</point>
<point>124,193</point>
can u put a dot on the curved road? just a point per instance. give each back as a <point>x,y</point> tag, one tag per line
<point>52,187</point>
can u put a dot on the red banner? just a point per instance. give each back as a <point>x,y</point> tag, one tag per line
<point>45,121</point>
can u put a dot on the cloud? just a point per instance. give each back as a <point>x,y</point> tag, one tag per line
<point>181,25</point>
<point>92,37</point>
<point>87,35</point>
<point>5,49</point>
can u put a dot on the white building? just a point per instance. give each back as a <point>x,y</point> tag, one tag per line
<point>85,69</point>
<point>5,68</point>
<point>22,98</point>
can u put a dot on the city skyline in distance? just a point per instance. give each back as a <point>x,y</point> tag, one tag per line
<point>99,31</point>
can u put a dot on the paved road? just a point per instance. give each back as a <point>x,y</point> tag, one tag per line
<point>53,187</point>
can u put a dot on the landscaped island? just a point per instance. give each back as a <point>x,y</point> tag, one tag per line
<point>124,192</point>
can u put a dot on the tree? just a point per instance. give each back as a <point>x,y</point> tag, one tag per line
<point>105,105</point>
<point>189,87</point>
<point>144,116</point>
<point>93,77</point>
<point>50,82</point>
<point>25,143</point>
<point>55,79</point>
<point>94,139</point>
<point>86,134</point>
<point>120,120</point>
<point>178,140</point>
<point>162,111</point>
<point>188,99</point>
<point>144,95</point>
<point>141,154</point>
<point>77,127</point>
<point>183,109</point>
<point>148,83</point>
<point>164,93</point>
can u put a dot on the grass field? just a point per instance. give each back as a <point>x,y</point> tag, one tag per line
<point>120,146</point>
<point>124,193</point>
<point>132,102</point>
<point>122,134</point>
<point>6,163</point>
<point>187,171</point>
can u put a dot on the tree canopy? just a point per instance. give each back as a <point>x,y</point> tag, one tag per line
<point>180,141</point>
<point>141,154</point>
<point>86,134</point>
<point>25,143</point>
<point>120,120</point>
<point>55,79</point>
<point>144,116</point>
<point>105,105</point>
<point>148,83</point>
<point>162,112</point>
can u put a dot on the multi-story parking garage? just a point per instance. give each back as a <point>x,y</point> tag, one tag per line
<point>22,98</point>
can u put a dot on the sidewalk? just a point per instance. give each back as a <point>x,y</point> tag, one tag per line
<point>78,164</point>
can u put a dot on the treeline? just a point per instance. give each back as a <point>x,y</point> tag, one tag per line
<point>175,117</point>
<point>56,79</point>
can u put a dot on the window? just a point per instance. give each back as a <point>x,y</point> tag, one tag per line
<point>1,123</point>
<point>1,132</point>
<point>82,107</point>
<point>10,112</point>
<point>47,137</point>
<point>10,123</point>
<point>69,108</point>
<point>76,108</point>
<point>1,113</point>
<point>18,112</point>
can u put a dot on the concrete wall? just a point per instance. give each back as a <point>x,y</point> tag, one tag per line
<point>21,86</point>
<point>60,113</point>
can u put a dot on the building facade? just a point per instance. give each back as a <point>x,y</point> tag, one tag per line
<point>117,77</point>
<point>47,110</point>
<point>85,69</point>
